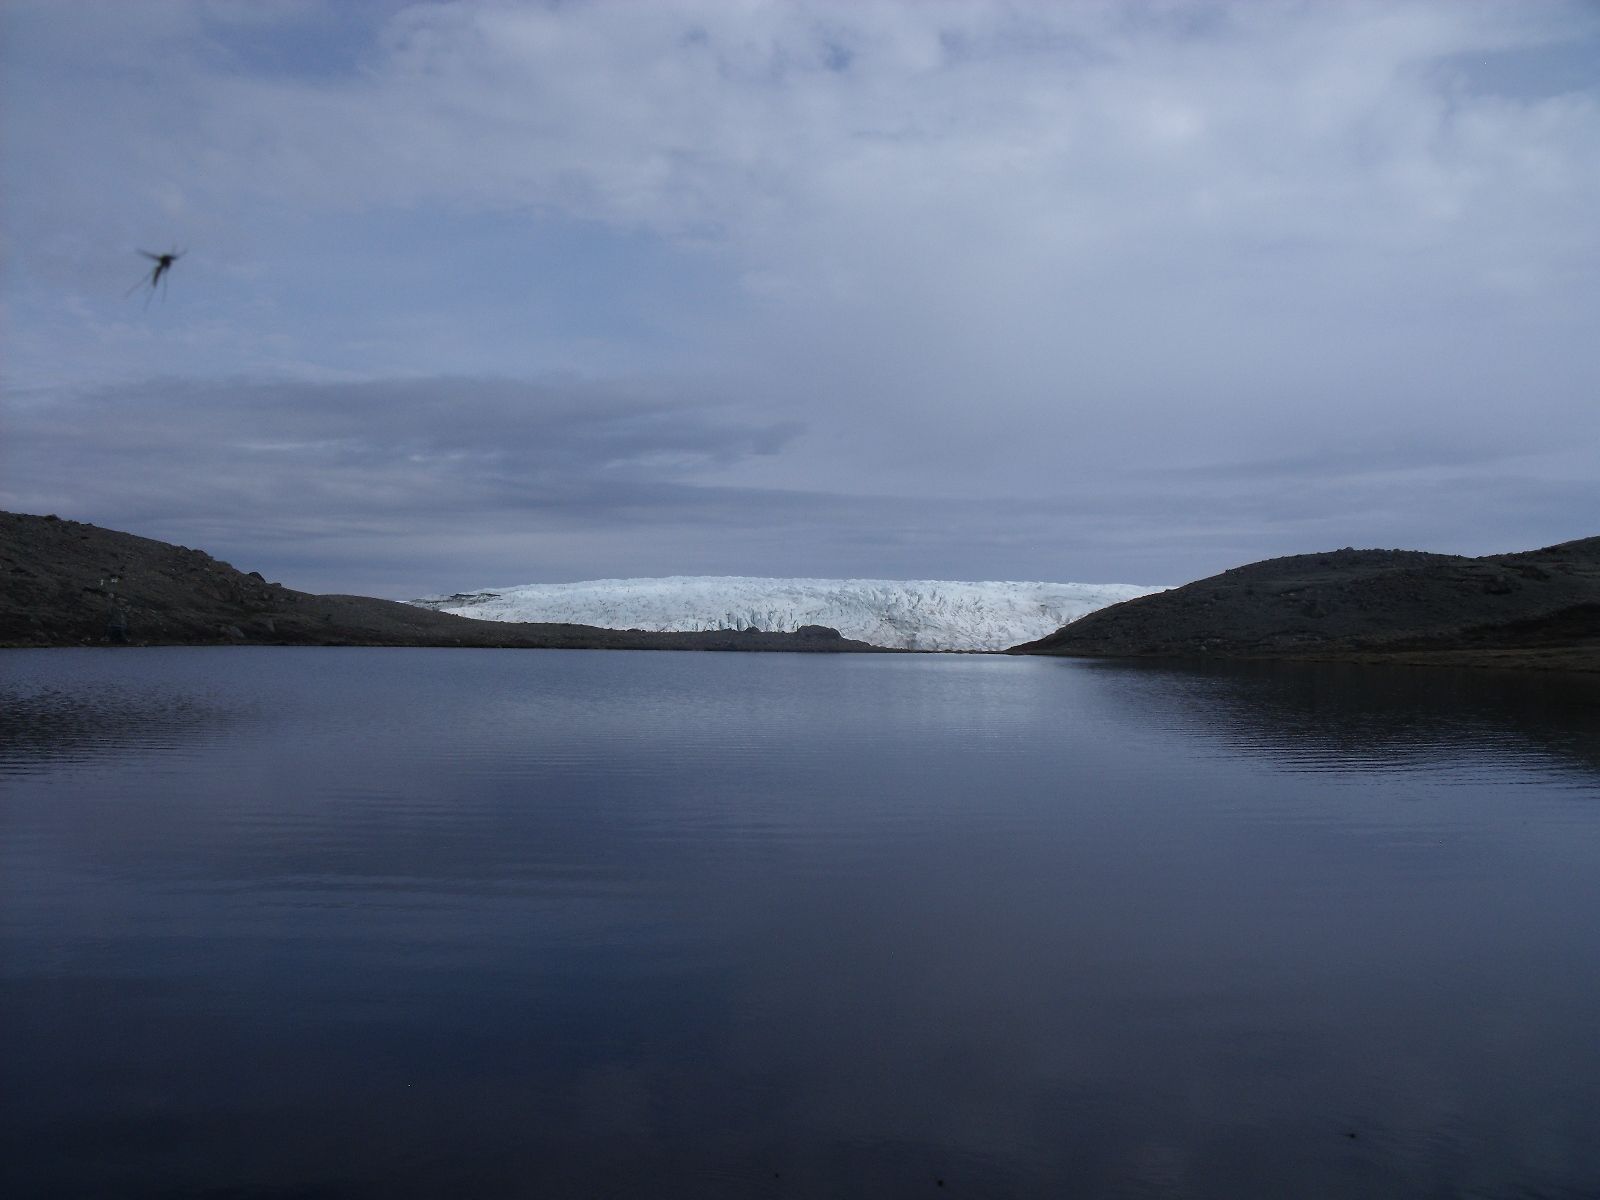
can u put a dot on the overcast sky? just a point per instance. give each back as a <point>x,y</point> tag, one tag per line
<point>494,293</point>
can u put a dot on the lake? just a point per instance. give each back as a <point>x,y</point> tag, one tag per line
<point>391,923</point>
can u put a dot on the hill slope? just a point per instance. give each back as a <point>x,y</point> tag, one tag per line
<point>63,583</point>
<point>1540,608</point>
<point>910,614</point>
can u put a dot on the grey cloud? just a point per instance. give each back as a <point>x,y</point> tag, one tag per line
<point>415,486</point>
<point>381,455</point>
<point>422,423</point>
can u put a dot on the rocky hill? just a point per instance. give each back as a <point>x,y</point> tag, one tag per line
<point>64,583</point>
<point>1540,608</point>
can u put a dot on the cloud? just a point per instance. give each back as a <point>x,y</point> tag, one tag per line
<point>996,262</point>
<point>410,486</point>
<point>450,442</point>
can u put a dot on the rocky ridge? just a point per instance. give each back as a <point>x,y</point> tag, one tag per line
<point>65,583</point>
<point>1539,608</point>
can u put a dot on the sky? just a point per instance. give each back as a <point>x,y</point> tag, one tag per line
<point>483,293</point>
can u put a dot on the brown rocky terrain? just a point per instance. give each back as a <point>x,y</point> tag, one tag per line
<point>1538,609</point>
<point>64,583</point>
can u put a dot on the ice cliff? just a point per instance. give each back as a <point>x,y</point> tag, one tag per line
<point>917,614</point>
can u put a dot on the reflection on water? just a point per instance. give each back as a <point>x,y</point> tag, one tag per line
<point>411,923</point>
<point>57,723</point>
<point>1348,717</point>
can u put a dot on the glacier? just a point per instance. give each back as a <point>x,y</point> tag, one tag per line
<point>910,614</point>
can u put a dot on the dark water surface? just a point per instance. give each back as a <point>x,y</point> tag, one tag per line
<point>393,923</point>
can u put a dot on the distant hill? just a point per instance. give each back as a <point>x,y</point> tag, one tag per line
<point>909,614</point>
<point>1540,608</point>
<point>64,583</point>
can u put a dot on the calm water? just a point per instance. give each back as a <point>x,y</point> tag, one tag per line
<point>325,923</point>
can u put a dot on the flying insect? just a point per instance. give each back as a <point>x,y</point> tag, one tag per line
<point>158,273</point>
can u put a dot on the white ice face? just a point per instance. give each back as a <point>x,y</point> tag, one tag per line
<point>917,614</point>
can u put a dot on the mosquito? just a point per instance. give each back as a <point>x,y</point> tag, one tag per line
<point>158,273</point>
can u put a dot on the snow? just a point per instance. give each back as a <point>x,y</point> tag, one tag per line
<point>917,614</point>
